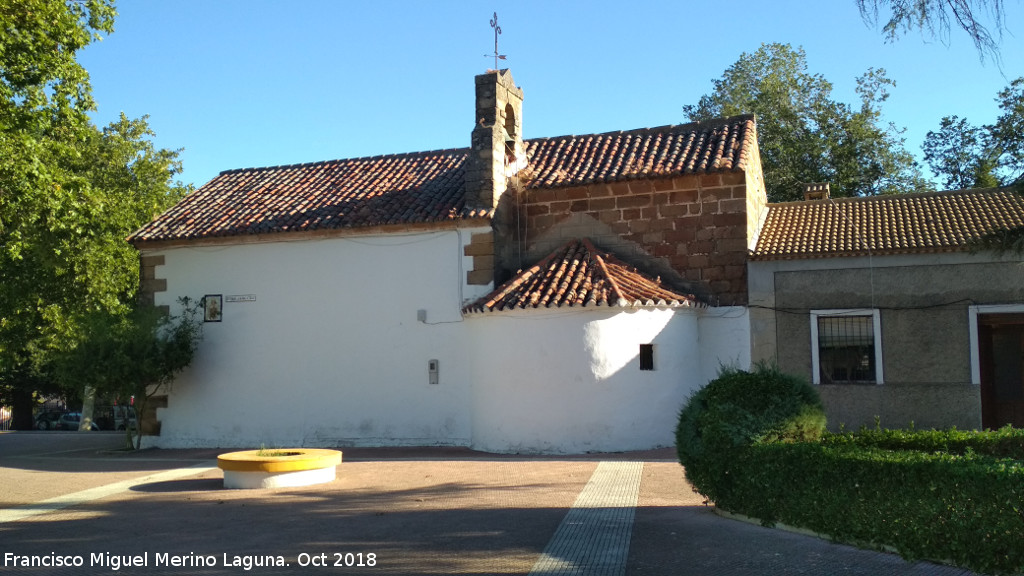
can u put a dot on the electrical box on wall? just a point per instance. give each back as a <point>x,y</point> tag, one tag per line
<point>432,370</point>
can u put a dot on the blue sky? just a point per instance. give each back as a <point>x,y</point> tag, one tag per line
<point>240,83</point>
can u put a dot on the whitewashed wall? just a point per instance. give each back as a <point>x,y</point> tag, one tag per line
<point>569,380</point>
<point>330,352</point>
<point>725,340</point>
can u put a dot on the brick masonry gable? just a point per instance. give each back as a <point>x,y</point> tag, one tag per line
<point>691,229</point>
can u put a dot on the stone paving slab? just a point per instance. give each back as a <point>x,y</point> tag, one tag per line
<point>416,511</point>
<point>42,465</point>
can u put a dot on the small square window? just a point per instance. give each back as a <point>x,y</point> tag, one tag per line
<point>647,356</point>
<point>845,347</point>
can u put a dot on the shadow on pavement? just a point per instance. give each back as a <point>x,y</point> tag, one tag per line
<point>425,525</point>
<point>446,511</point>
<point>191,485</point>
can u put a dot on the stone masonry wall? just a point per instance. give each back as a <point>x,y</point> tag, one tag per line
<point>757,197</point>
<point>499,107</point>
<point>497,152</point>
<point>149,284</point>
<point>481,248</point>
<point>693,229</point>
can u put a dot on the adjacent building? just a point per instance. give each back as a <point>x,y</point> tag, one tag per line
<point>882,303</point>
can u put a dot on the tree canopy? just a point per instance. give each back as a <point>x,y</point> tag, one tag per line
<point>969,156</point>
<point>1008,132</point>
<point>959,155</point>
<point>132,356</point>
<point>934,18</point>
<point>804,134</point>
<point>70,192</point>
<point>39,75</point>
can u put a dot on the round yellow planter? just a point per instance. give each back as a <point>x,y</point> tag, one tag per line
<point>280,467</point>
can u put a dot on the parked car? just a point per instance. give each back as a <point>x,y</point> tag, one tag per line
<point>47,420</point>
<point>124,416</point>
<point>72,420</point>
<point>117,417</point>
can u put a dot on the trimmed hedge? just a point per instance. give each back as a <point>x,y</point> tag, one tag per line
<point>752,442</point>
<point>1006,442</point>
<point>967,509</point>
<point>739,409</point>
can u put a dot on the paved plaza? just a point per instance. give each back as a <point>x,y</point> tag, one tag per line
<point>73,498</point>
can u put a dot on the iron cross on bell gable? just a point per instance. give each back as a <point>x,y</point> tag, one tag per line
<point>497,31</point>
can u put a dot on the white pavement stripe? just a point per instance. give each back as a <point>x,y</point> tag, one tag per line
<point>67,500</point>
<point>593,538</point>
<point>115,459</point>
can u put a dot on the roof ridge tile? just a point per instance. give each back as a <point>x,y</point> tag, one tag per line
<point>336,161</point>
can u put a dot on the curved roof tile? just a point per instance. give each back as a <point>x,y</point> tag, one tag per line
<point>897,224</point>
<point>429,187</point>
<point>578,274</point>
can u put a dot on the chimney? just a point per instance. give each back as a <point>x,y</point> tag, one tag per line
<point>816,191</point>
<point>497,142</point>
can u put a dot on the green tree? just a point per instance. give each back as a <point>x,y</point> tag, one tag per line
<point>933,18</point>
<point>131,355</point>
<point>1008,133</point>
<point>805,136</point>
<point>41,82</point>
<point>69,192</point>
<point>961,155</point>
<point>968,156</point>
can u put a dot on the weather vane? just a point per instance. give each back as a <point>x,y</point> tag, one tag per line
<point>497,31</point>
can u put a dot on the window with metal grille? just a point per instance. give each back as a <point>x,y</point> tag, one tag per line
<point>846,347</point>
<point>647,356</point>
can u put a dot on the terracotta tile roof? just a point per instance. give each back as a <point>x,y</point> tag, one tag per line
<point>578,274</point>
<point>898,224</point>
<point>396,189</point>
<point>717,146</point>
<point>428,187</point>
